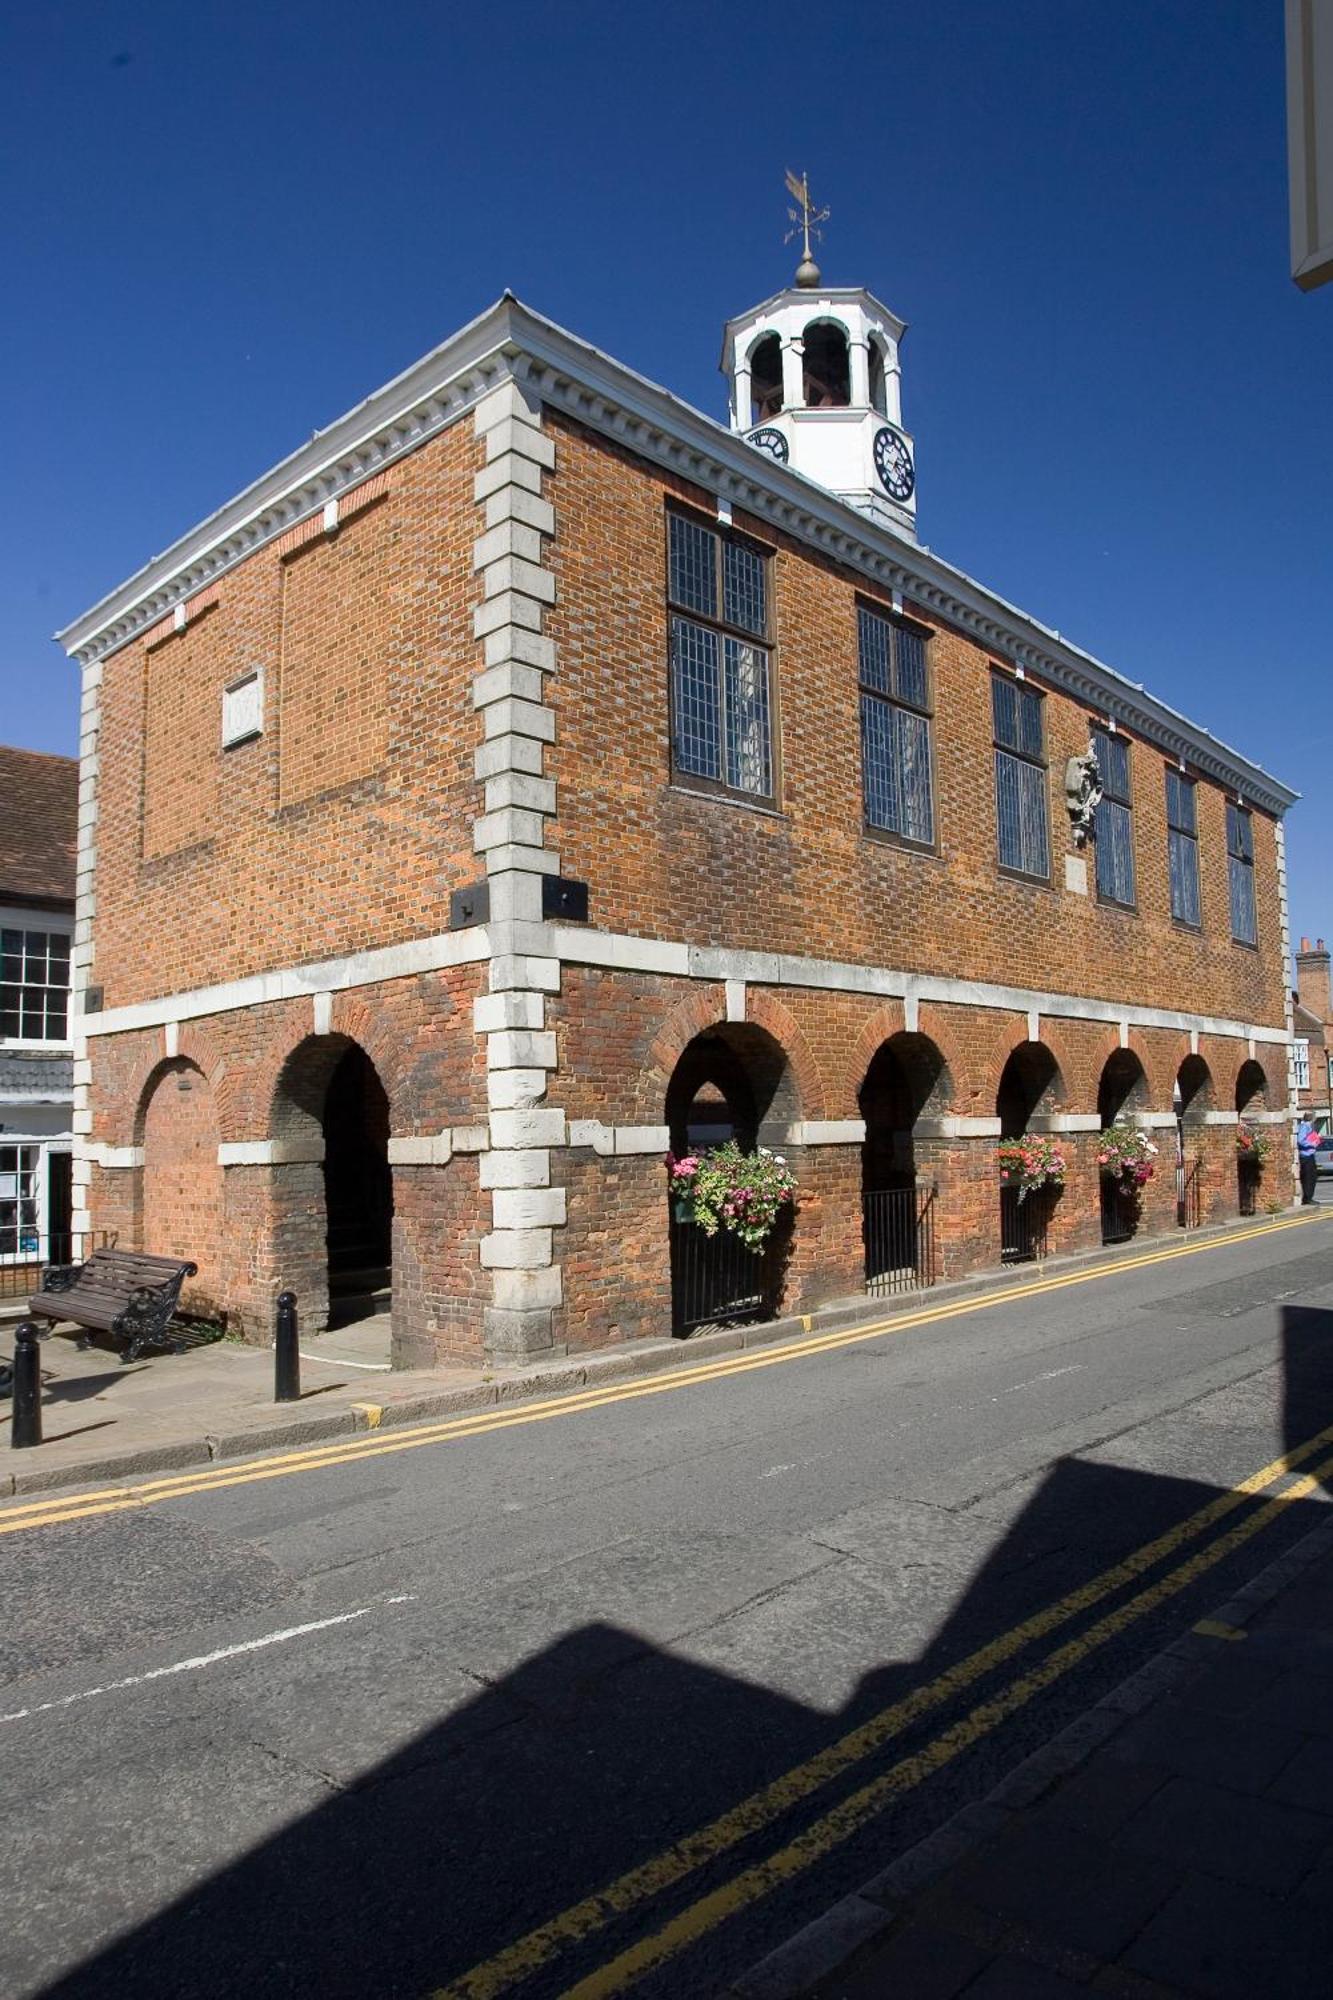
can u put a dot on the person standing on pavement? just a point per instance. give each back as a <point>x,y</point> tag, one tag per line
<point>1307,1145</point>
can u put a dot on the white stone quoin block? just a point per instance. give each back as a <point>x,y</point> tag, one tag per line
<point>516,1249</point>
<point>526,1290</point>
<point>528,1167</point>
<point>507,470</point>
<point>528,1208</point>
<point>522,1129</point>
<point>515,1089</point>
<point>492,1011</point>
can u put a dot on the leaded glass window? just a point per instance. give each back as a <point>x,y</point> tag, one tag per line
<point>34,985</point>
<point>1182,848</point>
<point>896,782</point>
<point>1023,835</point>
<point>1240,869</point>
<point>1114,825</point>
<point>721,721</point>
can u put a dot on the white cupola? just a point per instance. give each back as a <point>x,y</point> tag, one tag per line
<point>815,382</point>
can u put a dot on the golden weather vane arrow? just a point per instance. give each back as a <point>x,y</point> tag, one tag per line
<point>806,220</point>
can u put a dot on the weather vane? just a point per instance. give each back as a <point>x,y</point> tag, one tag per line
<point>805,220</point>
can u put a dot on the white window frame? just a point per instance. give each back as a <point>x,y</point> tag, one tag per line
<point>1300,1062</point>
<point>57,923</point>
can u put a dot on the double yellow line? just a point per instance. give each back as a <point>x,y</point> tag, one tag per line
<point>53,1509</point>
<point>519,1961</point>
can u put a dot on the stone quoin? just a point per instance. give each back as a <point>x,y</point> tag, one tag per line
<point>531,772</point>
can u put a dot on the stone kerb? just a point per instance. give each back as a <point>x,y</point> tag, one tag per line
<point>509,834</point>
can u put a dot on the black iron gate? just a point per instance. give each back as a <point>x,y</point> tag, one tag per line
<point>1247,1186</point>
<point>1120,1209</point>
<point>717,1281</point>
<point>1189,1194</point>
<point>898,1227</point>
<point>1023,1225</point>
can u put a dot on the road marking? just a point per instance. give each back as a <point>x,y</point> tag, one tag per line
<point>195,1663</point>
<point>526,1955</point>
<point>1214,1628</point>
<point>282,1465</point>
<point>853,1813</point>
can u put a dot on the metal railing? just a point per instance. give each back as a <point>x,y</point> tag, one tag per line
<point>898,1228</point>
<point>21,1267</point>
<point>1023,1226</point>
<point>716,1281</point>
<point>1120,1209</point>
<point>1189,1194</point>
<point>1247,1186</point>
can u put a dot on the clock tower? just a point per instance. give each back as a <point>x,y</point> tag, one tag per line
<point>816,383</point>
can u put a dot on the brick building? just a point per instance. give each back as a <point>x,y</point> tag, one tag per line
<point>531,768</point>
<point>1312,1073</point>
<point>38,810</point>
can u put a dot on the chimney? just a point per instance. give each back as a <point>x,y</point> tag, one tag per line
<point>1312,978</point>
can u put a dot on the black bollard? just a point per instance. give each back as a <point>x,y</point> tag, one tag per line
<point>26,1418</point>
<point>286,1359</point>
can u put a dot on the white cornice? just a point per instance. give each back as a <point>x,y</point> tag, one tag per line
<point>579,380</point>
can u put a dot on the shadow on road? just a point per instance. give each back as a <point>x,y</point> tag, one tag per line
<point>600,1752</point>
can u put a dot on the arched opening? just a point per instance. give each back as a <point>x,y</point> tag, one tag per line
<point>1192,1100</point>
<point>765,379</point>
<point>906,1079</point>
<point>181,1188</point>
<point>1251,1098</point>
<point>1030,1087</point>
<point>827,367</point>
<point>1251,1088</point>
<point>1121,1092</point>
<point>879,400</point>
<point>730,1083</point>
<point>333,1187</point>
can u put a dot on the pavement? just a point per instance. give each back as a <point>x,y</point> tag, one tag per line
<point>105,1419</point>
<point>1175,1840</point>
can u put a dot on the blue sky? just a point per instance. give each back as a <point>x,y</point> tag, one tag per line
<point>226,224</point>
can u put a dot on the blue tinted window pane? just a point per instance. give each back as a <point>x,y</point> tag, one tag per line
<point>1029,721</point>
<point>876,656</point>
<point>913,734</point>
<point>743,597</point>
<point>1004,707</point>
<point>1183,861</point>
<point>1180,805</point>
<point>693,566</point>
<point>1020,815</point>
<point>748,761</point>
<point>911,666</point>
<point>1244,926</point>
<point>879,764</point>
<point>696,705</point>
<point>1115,853</point>
<point>1113,763</point>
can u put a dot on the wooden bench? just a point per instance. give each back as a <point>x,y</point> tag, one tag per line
<point>117,1291</point>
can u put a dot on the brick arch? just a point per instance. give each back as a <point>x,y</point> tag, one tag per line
<point>882,1026</point>
<point>201,1053</point>
<point>694,1015</point>
<point>359,1023</point>
<point>181,1182</point>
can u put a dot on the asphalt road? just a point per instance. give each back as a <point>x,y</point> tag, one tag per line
<point>726,1644</point>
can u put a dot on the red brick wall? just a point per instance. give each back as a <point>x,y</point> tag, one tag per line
<point>348,821</point>
<point>662,861</point>
<point>182,1181</point>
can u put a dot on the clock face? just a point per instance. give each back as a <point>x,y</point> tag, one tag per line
<point>772,442</point>
<point>893,463</point>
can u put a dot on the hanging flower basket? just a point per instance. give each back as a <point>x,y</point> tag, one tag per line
<point>1032,1162</point>
<point>725,1188</point>
<point>1125,1154</point>
<point>1253,1149</point>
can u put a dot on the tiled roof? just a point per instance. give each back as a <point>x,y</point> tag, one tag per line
<point>33,1075</point>
<point>39,809</point>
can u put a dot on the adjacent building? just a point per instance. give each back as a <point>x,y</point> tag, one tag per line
<point>38,811</point>
<point>531,772</point>
<point>1312,1048</point>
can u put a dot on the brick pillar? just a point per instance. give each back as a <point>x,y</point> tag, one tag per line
<point>1077,1222</point>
